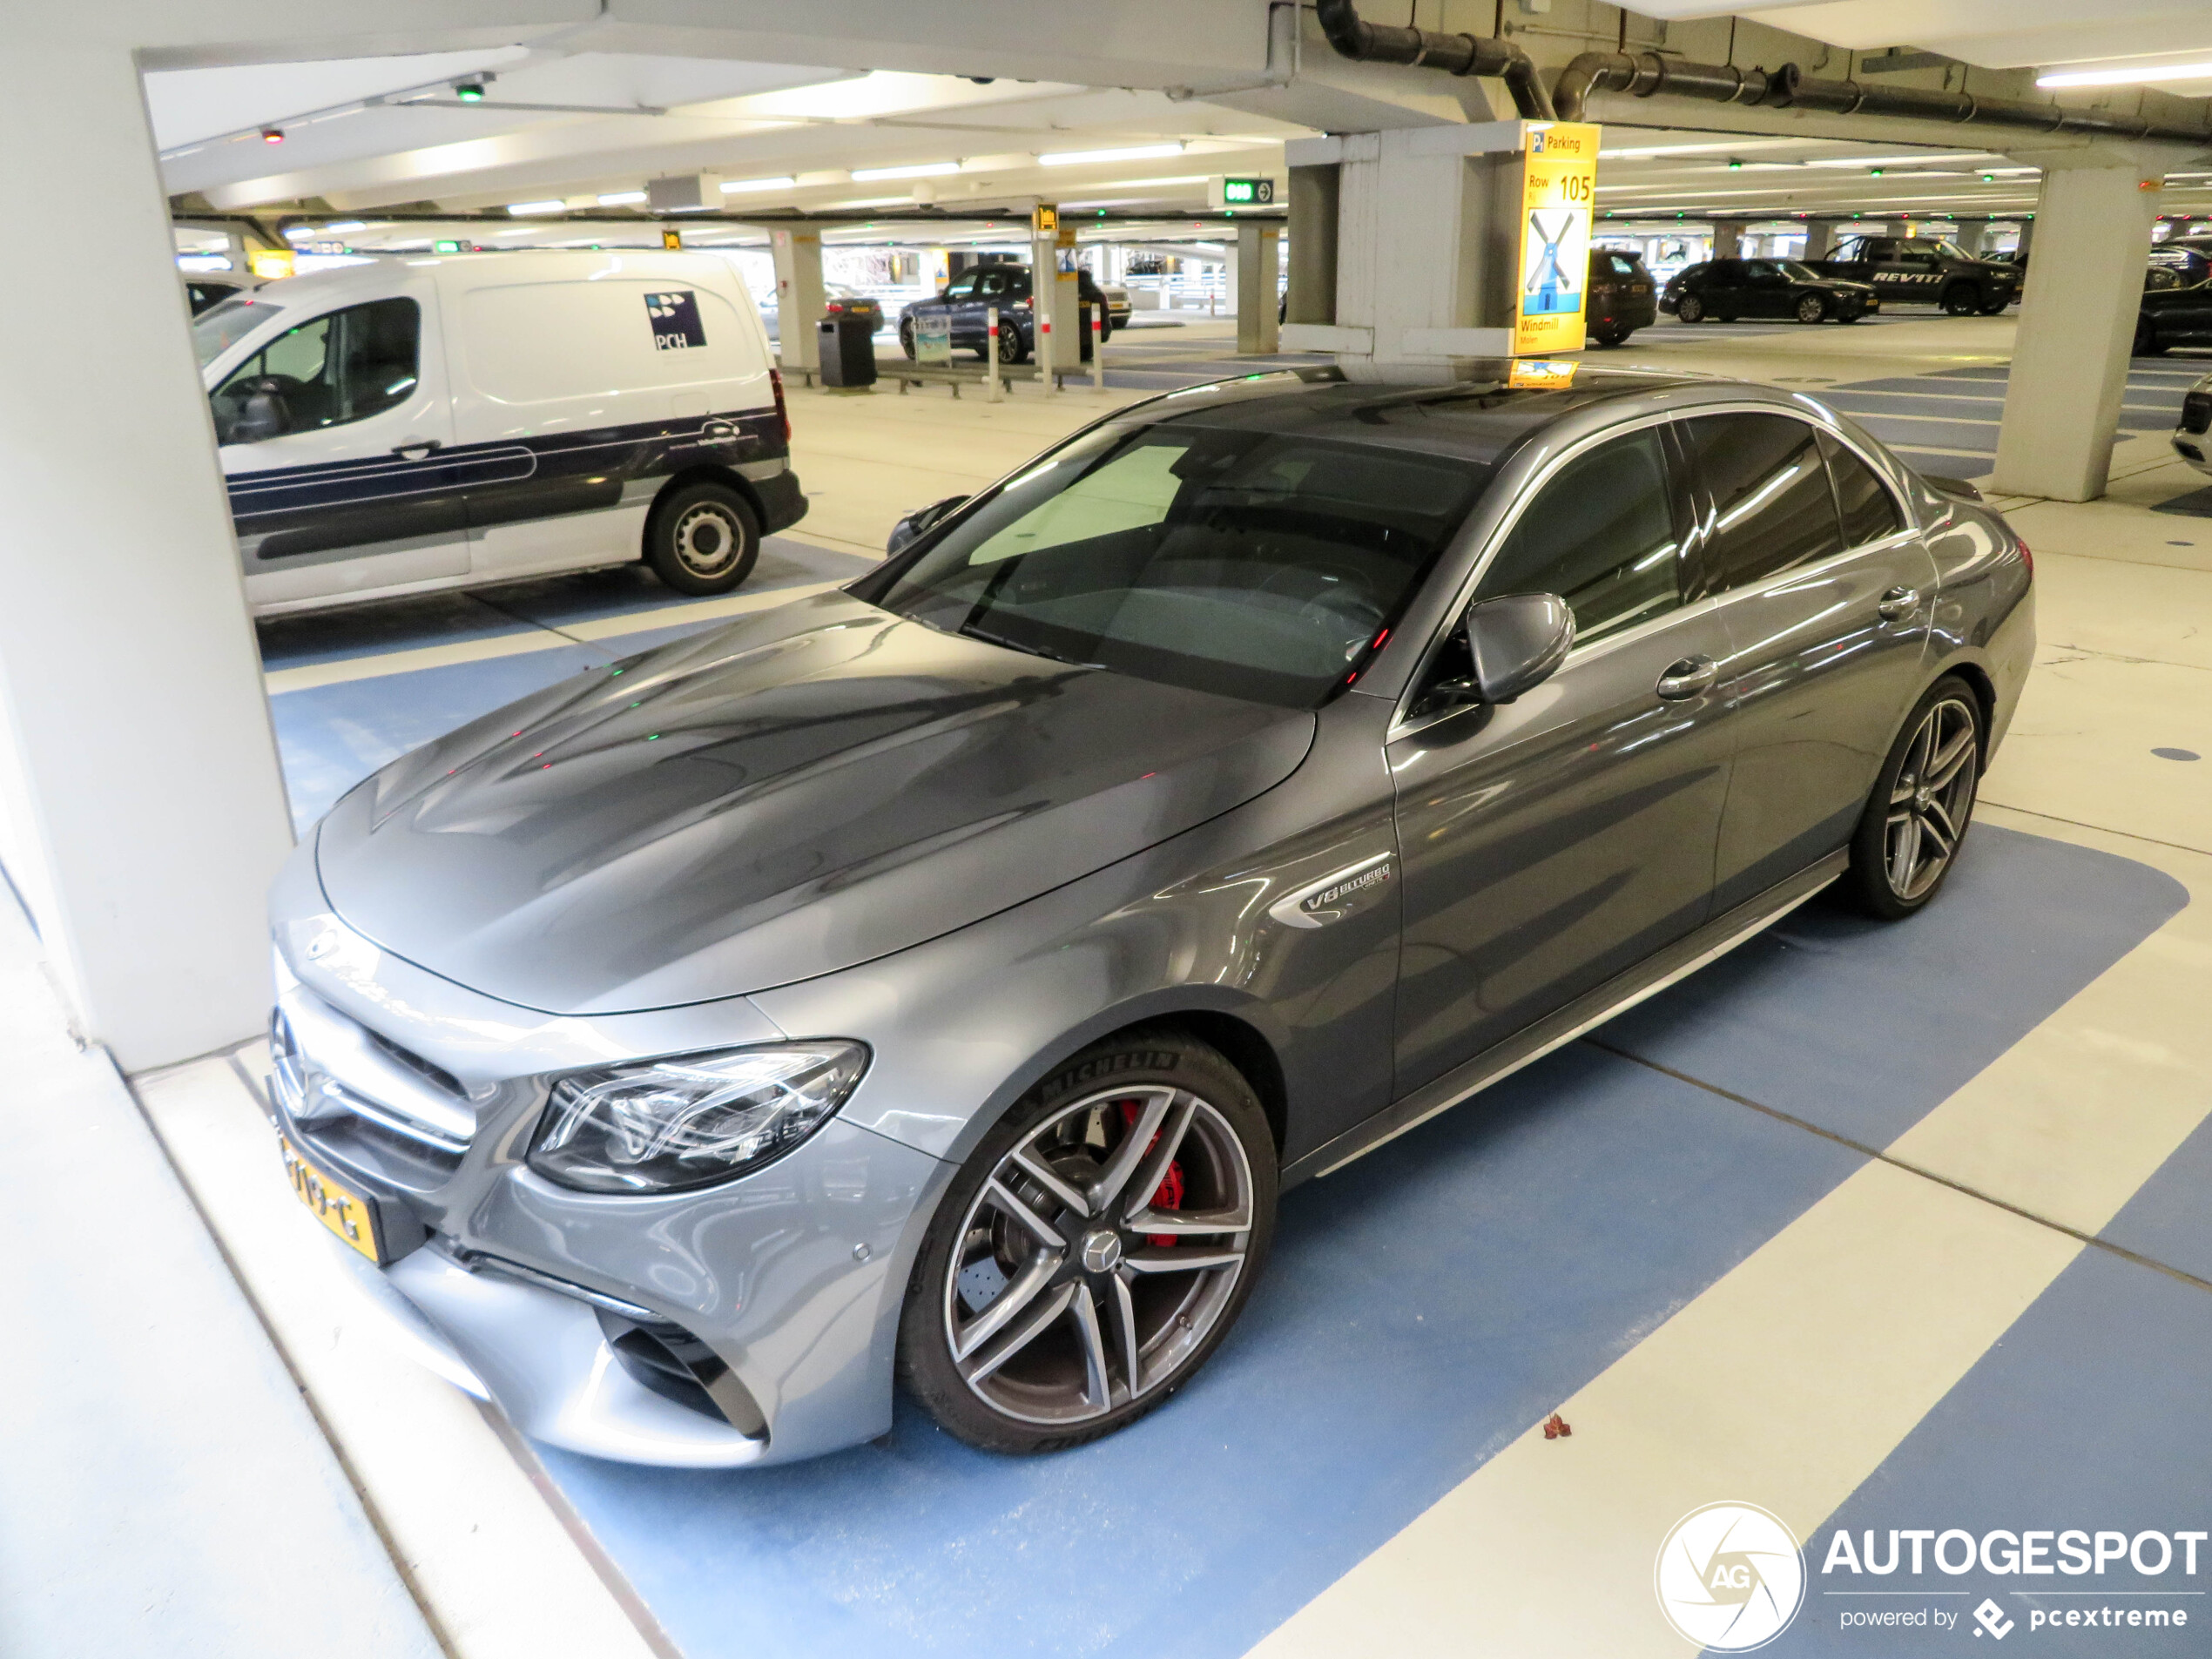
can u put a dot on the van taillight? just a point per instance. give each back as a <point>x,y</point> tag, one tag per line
<point>783,411</point>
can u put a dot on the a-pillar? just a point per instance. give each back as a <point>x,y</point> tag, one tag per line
<point>798,296</point>
<point>1258,259</point>
<point>2077,325</point>
<point>142,813</point>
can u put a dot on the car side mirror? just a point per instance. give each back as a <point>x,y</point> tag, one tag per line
<point>1517,643</point>
<point>921,522</point>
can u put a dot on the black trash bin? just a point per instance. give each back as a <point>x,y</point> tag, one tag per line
<point>848,348</point>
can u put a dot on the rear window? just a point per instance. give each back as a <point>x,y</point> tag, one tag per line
<point>536,342</point>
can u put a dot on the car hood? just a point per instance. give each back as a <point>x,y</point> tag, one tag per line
<point>797,792</point>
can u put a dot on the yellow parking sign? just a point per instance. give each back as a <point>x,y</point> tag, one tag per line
<point>1558,182</point>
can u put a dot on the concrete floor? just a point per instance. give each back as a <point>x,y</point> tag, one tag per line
<point>1885,1229</point>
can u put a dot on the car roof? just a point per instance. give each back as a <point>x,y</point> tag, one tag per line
<point>1474,415</point>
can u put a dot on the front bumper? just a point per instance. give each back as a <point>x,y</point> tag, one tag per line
<point>751,1322</point>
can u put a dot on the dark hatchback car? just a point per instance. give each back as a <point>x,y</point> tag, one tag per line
<point>969,298</point>
<point>1726,289</point>
<point>939,978</point>
<point>1622,297</point>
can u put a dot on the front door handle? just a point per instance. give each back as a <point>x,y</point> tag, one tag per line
<point>1688,678</point>
<point>416,449</point>
<point>1898,603</point>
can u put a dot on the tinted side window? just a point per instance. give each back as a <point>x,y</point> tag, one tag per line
<point>1601,535</point>
<point>1772,509</point>
<point>338,369</point>
<point>1869,511</point>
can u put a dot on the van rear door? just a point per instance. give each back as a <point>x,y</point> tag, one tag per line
<point>579,391</point>
<point>335,437</point>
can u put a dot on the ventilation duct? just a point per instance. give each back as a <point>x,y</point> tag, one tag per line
<point>1353,37</point>
<point>1649,75</point>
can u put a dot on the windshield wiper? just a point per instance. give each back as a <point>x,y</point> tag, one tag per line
<point>973,632</point>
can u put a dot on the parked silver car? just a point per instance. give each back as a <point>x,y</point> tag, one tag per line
<point>941,978</point>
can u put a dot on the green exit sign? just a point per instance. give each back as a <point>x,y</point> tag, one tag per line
<point>444,246</point>
<point>1247,192</point>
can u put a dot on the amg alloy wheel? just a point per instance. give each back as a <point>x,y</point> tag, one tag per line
<point>1909,838</point>
<point>1811,308</point>
<point>1095,1250</point>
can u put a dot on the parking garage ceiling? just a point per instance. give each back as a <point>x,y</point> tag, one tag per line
<point>554,127</point>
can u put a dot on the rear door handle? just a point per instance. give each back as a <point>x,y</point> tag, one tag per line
<point>717,431</point>
<point>1898,603</point>
<point>415,449</point>
<point>1688,678</point>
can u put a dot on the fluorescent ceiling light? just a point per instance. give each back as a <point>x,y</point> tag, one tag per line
<point>875,201</point>
<point>731,187</point>
<point>621,198</point>
<point>2126,77</point>
<point>345,225</point>
<point>1896,161</point>
<point>918,170</point>
<point>536,207</point>
<point>1134,153</point>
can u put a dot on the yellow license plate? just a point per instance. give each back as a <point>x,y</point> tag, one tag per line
<point>338,1207</point>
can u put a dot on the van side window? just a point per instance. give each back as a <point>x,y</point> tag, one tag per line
<point>342,367</point>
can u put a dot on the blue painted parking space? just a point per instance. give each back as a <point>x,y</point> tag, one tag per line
<point>1423,1308</point>
<point>2068,1424</point>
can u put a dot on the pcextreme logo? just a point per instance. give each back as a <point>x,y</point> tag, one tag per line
<point>1729,1577</point>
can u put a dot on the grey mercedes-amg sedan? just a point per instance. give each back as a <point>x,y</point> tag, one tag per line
<point>939,980</point>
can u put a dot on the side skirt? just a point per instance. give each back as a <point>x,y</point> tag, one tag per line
<point>1617,995</point>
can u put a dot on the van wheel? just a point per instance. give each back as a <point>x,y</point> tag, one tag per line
<point>703,539</point>
<point>1094,1250</point>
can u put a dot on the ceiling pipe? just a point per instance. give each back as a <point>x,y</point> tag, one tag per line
<point>1353,37</point>
<point>1649,75</point>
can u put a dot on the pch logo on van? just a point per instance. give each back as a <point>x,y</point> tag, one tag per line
<point>676,320</point>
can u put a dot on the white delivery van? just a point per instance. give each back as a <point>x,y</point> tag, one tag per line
<point>443,423</point>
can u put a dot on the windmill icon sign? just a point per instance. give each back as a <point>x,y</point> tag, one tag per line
<point>1550,286</point>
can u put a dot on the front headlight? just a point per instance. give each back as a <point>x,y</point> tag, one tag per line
<point>669,1124</point>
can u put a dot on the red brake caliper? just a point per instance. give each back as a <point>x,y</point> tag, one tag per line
<point>1170,1197</point>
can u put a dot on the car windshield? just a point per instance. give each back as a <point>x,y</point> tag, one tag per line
<point>1254,565</point>
<point>219,327</point>
<point>1951,251</point>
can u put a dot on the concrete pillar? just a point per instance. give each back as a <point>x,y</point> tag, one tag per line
<point>142,812</point>
<point>1311,290</point>
<point>2077,323</point>
<point>1426,226</point>
<point>1821,236</point>
<point>1258,259</point>
<point>798,296</point>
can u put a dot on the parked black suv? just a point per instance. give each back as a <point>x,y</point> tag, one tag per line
<point>2177,300</point>
<point>969,297</point>
<point>1926,271</point>
<point>1622,297</point>
<point>1727,289</point>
